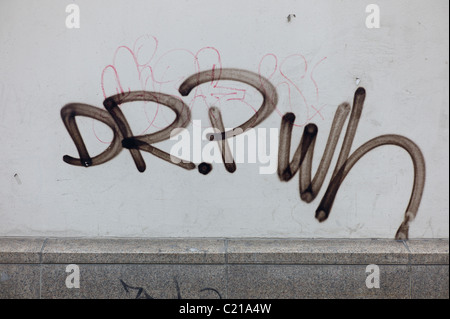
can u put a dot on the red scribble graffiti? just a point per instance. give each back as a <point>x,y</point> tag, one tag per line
<point>151,74</point>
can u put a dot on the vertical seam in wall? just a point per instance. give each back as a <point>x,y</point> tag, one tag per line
<point>42,249</point>
<point>409,267</point>
<point>226,267</point>
<point>40,281</point>
<point>40,267</point>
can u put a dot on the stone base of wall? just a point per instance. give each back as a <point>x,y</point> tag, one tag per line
<point>205,268</point>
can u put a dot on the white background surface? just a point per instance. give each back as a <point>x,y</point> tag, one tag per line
<point>43,66</point>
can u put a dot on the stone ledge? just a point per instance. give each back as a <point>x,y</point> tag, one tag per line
<point>20,250</point>
<point>134,251</point>
<point>203,268</point>
<point>31,250</point>
<point>317,251</point>
<point>428,251</point>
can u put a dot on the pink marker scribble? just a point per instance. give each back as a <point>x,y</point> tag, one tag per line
<point>292,73</point>
<point>142,67</point>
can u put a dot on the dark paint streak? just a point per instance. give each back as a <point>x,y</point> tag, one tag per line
<point>123,137</point>
<point>216,121</point>
<point>142,293</point>
<point>140,290</point>
<point>68,114</point>
<point>204,168</point>
<point>143,142</point>
<point>418,186</point>
<point>267,90</point>
<point>177,287</point>
<point>213,290</point>
<point>301,160</point>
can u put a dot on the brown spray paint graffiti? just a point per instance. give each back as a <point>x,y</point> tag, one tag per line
<point>301,160</point>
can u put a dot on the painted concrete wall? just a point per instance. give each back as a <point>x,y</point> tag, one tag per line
<point>316,59</point>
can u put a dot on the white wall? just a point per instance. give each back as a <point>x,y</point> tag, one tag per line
<point>43,65</point>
